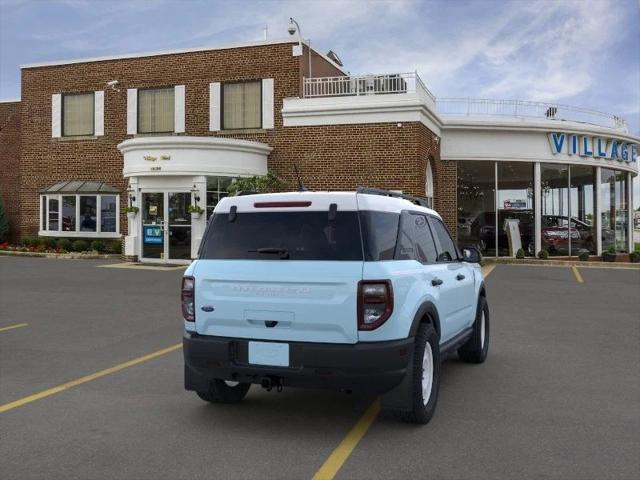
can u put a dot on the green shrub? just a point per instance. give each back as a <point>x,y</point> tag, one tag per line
<point>634,257</point>
<point>98,246</point>
<point>543,254</point>
<point>520,253</point>
<point>80,246</point>
<point>48,242</point>
<point>115,247</point>
<point>583,255</point>
<point>268,183</point>
<point>27,242</point>
<point>611,249</point>
<point>65,244</point>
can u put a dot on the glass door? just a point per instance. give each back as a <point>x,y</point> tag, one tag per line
<point>153,215</point>
<point>179,243</point>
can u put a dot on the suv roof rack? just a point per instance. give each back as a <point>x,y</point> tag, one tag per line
<point>423,202</point>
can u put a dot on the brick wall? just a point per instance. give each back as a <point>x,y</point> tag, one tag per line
<point>328,157</point>
<point>10,163</point>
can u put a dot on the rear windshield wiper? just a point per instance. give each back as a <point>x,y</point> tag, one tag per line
<point>283,252</point>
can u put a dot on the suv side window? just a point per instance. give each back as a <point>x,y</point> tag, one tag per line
<point>414,239</point>
<point>446,248</point>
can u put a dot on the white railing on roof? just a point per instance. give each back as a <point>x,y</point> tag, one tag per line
<point>355,85</point>
<point>521,108</point>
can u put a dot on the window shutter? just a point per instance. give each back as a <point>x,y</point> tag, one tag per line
<point>132,111</point>
<point>214,106</point>
<point>267,103</point>
<point>98,111</point>
<point>56,115</point>
<point>178,110</point>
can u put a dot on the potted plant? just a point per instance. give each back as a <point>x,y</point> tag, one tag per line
<point>195,211</point>
<point>131,212</point>
<point>543,254</point>
<point>610,255</point>
<point>583,255</point>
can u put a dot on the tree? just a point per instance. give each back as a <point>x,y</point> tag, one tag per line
<point>4,223</point>
<point>268,183</point>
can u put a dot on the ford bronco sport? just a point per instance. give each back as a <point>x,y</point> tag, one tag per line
<point>352,291</point>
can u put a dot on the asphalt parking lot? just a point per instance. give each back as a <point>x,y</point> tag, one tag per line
<point>559,395</point>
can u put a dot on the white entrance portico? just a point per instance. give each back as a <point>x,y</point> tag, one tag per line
<point>167,174</point>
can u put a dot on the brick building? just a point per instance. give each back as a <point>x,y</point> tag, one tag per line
<point>168,130</point>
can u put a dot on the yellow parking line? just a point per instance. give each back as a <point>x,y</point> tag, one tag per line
<point>576,273</point>
<point>11,327</point>
<point>337,458</point>
<point>487,269</point>
<point>87,378</point>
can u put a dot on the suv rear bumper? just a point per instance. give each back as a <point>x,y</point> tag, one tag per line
<point>372,367</point>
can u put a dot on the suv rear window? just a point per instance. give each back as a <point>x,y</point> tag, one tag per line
<point>283,235</point>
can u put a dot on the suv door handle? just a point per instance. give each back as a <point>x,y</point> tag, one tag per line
<point>436,281</point>
<point>460,277</point>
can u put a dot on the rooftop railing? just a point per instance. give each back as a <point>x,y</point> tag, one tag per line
<point>399,83</point>
<point>478,107</point>
<point>356,85</point>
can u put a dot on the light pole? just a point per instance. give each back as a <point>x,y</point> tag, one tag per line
<point>293,28</point>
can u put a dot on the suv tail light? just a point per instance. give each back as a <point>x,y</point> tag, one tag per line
<point>188,296</point>
<point>375,303</point>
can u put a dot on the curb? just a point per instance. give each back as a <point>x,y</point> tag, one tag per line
<point>560,263</point>
<point>63,256</point>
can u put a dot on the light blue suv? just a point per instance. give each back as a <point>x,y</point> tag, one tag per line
<point>352,291</point>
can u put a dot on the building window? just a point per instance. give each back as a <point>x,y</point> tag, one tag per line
<point>78,114</point>
<point>476,205</point>
<point>515,206</point>
<point>428,184</point>
<point>69,215</point>
<point>156,110</point>
<point>242,105</point>
<point>216,190</point>
<point>614,210</point>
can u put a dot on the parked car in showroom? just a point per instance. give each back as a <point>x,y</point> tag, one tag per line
<point>355,291</point>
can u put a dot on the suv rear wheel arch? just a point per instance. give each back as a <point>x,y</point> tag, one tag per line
<point>427,313</point>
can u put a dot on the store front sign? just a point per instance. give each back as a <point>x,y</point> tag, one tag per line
<point>152,235</point>
<point>597,147</point>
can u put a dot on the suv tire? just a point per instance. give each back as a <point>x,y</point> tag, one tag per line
<point>425,383</point>
<point>475,349</point>
<point>221,391</point>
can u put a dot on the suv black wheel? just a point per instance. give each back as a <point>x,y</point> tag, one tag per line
<point>425,383</point>
<point>223,391</point>
<point>475,349</point>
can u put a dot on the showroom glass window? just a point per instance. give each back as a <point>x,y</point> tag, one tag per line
<point>476,205</point>
<point>614,210</point>
<point>217,188</point>
<point>79,214</point>
<point>77,114</point>
<point>554,191</point>
<point>516,221</point>
<point>582,200</point>
<point>156,110</point>
<point>242,105</point>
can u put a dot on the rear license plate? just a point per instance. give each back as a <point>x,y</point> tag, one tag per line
<point>269,353</point>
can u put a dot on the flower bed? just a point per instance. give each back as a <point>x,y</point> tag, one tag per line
<point>63,245</point>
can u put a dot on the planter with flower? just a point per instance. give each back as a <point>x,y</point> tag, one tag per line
<point>131,212</point>
<point>195,211</point>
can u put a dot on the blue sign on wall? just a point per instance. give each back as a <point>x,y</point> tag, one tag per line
<point>152,234</point>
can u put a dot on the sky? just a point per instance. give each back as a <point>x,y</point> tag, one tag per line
<point>576,52</point>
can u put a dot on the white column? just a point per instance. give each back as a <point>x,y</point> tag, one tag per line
<point>537,208</point>
<point>214,106</point>
<point>178,110</point>
<point>268,120</point>
<point>98,112</point>
<point>56,115</point>
<point>132,241</point>
<point>198,226</point>
<point>598,212</point>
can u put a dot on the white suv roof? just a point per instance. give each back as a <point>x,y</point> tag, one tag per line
<point>318,201</point>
